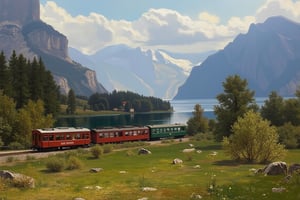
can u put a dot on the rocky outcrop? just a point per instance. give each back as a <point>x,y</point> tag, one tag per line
<point>22,30</point>
<point>42,36</point>
<point>19,11</point>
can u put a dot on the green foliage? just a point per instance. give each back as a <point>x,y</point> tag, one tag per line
<point>253,140</point>
<point>26,80</point>
<point>71,101</point>
<point>236,100</point>
<point>74,163</point>
<point>55,164</point>
<point>96,151</point>
<point>125,101</point>
<point>107,148</point>
<point>272,109</point>
<point>198,123</point>
<point>289,135</point>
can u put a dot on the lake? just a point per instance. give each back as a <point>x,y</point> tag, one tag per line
<point>182,112</point>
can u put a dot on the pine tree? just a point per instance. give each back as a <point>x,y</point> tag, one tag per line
<point>71,109</point>
<point>236,100</point>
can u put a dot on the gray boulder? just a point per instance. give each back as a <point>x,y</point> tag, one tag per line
<point>19,180</point>
<point>275,168</point>
<point>144,151</point>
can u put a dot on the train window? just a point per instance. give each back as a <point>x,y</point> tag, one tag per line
<point>45,138</point>
<point>111,135</point>
<point>126,133</point>
<point>101,135</point>
<point>51,137</point>
<point>117,134</point>
<point>106,135</point>
<point>86,136</point>
<point>134,133</point>
<point>57,137</point>
<point>68,137</point>
<point>78,136</point>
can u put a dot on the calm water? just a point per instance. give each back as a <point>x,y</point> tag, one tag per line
<point>182,112</point>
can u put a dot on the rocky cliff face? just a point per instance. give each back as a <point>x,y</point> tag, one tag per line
<point>268,56</point>
<point>22,30</point>
<point>19,11</point>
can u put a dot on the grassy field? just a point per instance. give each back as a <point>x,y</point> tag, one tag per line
<point>209,174</point>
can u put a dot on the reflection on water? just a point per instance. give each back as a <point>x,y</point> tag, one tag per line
<point>182,112</point>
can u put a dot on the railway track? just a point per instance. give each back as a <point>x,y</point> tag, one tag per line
<point>13,153</point>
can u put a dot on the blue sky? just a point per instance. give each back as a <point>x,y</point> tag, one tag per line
<point>133,9</point>
<point>176,25</point>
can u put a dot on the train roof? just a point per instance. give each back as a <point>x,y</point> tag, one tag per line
<point>120,128</point>
<point>62,129</point>
<point>166,125</point>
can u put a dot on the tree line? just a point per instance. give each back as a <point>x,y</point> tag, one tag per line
<point>126,100</point>
<point>29,99</point>
<point>23,80</point>
<point>249,132</point>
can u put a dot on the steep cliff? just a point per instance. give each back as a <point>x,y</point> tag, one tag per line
<point>268,56</point>
<point>22,30</point>
<point>19,11</point>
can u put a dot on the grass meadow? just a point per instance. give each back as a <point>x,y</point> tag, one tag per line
<point>209,174</point>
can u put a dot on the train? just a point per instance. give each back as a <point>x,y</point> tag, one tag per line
<point>73,137</point>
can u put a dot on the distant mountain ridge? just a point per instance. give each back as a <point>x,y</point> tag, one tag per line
<point>22,30</point>
<point>268,56</point>
<point>144,71</point>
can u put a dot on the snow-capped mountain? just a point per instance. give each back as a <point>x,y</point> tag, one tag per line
<point>144,71</point>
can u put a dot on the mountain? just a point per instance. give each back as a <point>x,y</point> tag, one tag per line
<point>22,30</point>
<point>147,72</point>
<point>268,56</point>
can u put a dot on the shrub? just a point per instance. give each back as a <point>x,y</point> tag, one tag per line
<point>108,148</point>
<point>74,163</point>
<point>55,164</point>
<point>96,151</point>
<point>23,182</point>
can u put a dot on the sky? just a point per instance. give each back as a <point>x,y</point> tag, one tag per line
<point>189,26</point>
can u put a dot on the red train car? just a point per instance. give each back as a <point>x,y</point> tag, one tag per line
<point>115,135</point>
<point>58,138</point>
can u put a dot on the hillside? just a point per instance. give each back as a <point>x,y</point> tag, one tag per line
<point>268,56</point>
<point>22,30</point>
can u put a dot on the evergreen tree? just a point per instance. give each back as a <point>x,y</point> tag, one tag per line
<point>272,110</point>
<point>236,100</point>
<point>36,77</point>
<point>198,123</point>
<point>71,109</point>
<point>20,82</point>
<point>51,95</point>
<point>4,73</point>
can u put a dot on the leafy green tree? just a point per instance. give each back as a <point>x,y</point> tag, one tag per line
<point>236,100</point>
<point>31,116</point>
<point>289,135</point>
<point>71,109</point>
<point>291,111</point>
<point>8,115</point>
<point>198,123</point>
<point>272,110</point>
<point>253,140</point>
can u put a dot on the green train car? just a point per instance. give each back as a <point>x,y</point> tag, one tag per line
<point>167,131</point>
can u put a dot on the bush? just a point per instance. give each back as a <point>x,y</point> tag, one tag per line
<point>108,148</point>
<point>74,163</point>
<point>55,164</point>
<point>253,140</point>
<point>96,151</point>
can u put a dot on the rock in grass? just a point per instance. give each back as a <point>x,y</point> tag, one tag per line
<point>177,161</point>
<point>96,170</point>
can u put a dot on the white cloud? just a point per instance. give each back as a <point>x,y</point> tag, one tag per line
<point>159,28</point>
<point>287,8</point>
